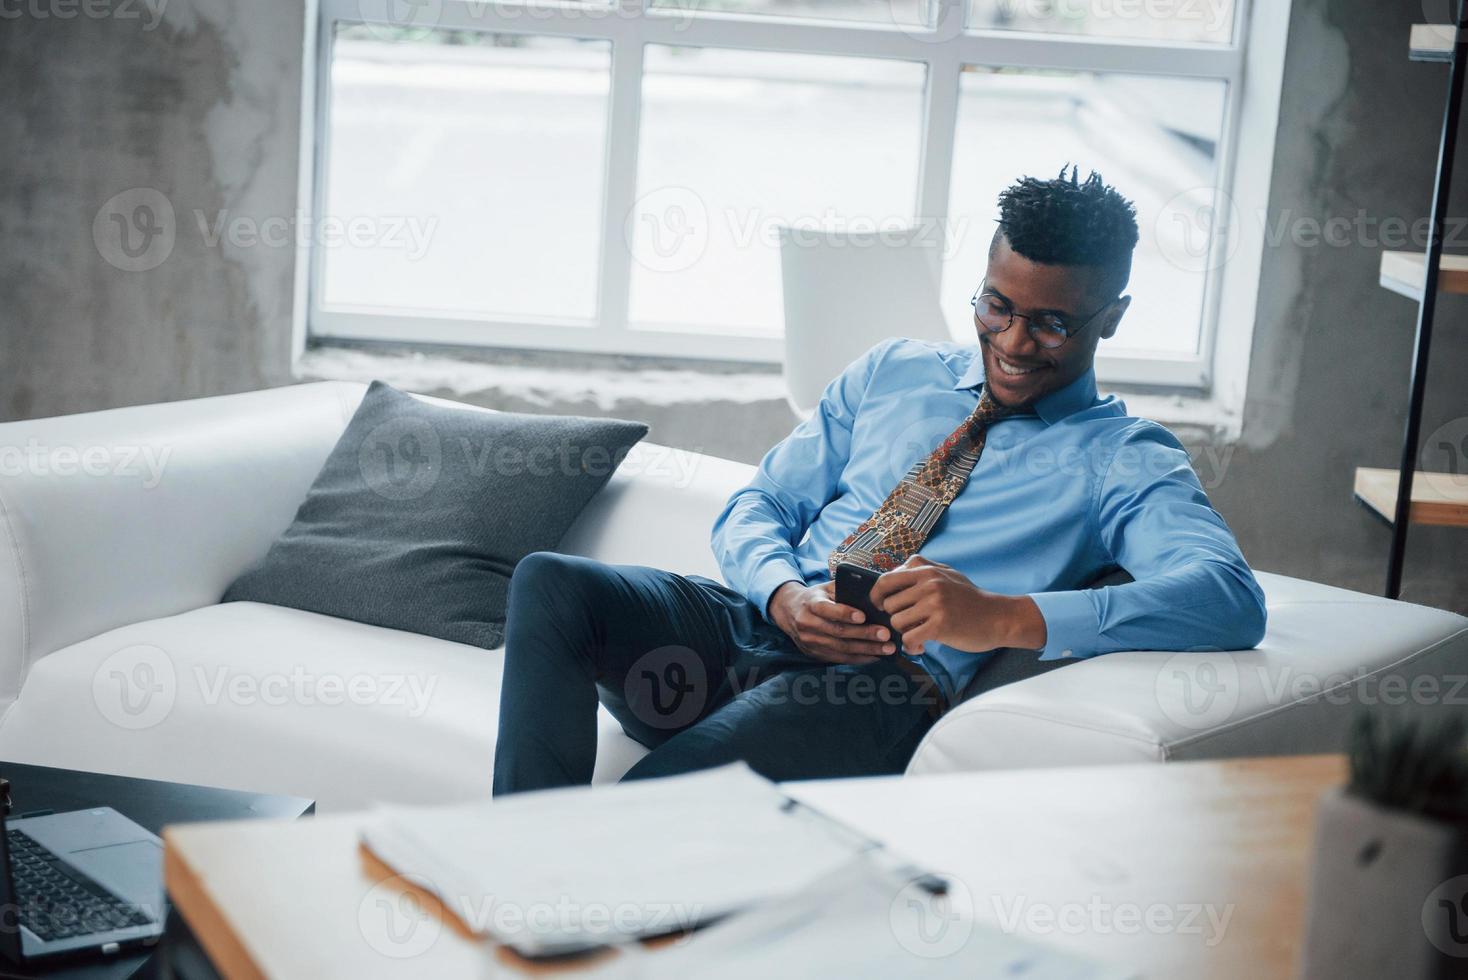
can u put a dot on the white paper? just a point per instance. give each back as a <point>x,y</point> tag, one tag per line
<point>562,870</point>
<point>862,921</point>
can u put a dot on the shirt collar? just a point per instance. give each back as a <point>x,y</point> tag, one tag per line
<point>1078,395</point>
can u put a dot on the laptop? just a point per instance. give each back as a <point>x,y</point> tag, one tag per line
<point>77,884</point>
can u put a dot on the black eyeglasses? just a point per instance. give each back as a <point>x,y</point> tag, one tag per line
<point>994,314</point>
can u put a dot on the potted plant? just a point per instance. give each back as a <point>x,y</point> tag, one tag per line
<point>1389,884</point>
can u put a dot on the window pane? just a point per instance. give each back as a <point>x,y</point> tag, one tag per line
<point>907,13</point>
<point>1154,139</point>
<point>735,144</point>
<point>1163,20</point>
<point>492,147</point>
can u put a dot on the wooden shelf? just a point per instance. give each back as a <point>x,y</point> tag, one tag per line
<point>1437,498</point>
<point>1432,42</point>
<point>1406,272</point>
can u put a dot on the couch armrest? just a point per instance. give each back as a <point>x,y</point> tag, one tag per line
<point>112,517</point>
<point>1327,653</point>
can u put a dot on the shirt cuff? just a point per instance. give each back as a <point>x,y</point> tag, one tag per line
<point>769,577</point>
<point>1072,627</point>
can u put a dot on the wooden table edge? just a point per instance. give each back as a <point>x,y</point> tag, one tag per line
<point>208,922</point>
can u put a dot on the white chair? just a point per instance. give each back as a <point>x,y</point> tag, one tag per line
<point>845,291</point>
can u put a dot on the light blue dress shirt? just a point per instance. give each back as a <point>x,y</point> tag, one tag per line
<point>1058,499</point>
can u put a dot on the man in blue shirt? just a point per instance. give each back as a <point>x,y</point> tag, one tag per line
<point>989,484</point>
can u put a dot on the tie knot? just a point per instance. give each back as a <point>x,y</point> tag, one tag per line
<point>989,410</point>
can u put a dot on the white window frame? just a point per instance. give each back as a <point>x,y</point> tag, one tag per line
<point>1252,67</point>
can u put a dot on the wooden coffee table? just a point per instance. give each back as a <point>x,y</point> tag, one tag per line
<point>1193,869</point>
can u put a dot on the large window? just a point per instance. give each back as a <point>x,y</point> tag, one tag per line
<point>612,176</point>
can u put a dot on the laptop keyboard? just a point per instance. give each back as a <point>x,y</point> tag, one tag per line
<point>56,901</point>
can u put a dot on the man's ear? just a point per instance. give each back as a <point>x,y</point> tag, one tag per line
<point>1113,318</point>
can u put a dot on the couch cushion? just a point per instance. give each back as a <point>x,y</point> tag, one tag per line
<point>422,511</point>
<point>265,698</point>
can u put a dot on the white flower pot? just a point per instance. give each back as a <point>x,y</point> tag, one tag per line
<point>1388,895</point>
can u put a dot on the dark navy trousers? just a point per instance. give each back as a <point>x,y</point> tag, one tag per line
<point>693,671</point>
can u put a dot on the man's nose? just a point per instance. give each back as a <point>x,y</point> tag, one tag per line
<point>1016,341</point>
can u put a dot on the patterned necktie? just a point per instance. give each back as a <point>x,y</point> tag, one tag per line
<point>900,526</point>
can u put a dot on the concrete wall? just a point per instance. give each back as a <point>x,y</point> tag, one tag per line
<point>198,108</point>
<point>204,109</point>
<point>1358,139</point>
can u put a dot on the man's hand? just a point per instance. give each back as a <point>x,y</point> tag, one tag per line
<point>825,629</point>
<point>931,601</point>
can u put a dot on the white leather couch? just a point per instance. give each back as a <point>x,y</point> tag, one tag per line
<point>119,531</point>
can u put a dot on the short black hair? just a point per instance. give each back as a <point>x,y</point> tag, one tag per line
<point>1069,221</point>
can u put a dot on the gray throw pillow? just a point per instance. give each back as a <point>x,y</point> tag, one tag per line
<point>422,511</point>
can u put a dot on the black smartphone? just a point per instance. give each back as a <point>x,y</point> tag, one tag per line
<point>854,588</point>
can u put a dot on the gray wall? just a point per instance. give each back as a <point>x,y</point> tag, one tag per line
<point>1358,133</point>
<point>204,108</point>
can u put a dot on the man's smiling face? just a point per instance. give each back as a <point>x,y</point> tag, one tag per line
<point>1018,370</point>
